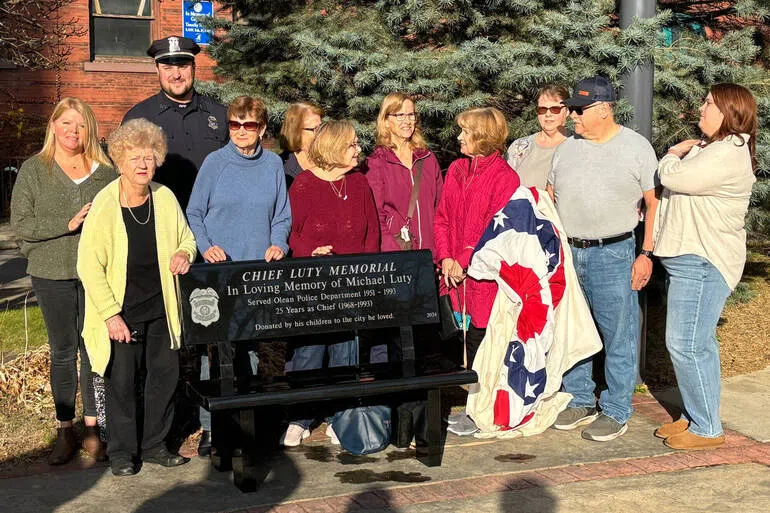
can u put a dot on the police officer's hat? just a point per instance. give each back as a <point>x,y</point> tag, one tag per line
<point>173,50</point>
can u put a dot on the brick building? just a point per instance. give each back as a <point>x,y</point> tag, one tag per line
<point>108,67</point>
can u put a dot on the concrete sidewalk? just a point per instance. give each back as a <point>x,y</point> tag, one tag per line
<point>556,471</point>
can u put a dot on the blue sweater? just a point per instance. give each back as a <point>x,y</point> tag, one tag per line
<point>240,204</point>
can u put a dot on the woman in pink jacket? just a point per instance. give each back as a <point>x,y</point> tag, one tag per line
<point>477,186</point>
<point>400,162</point>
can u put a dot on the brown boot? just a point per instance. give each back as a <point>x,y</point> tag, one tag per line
<point>692,442</point>
<point>92,443</point>
<point>672,428</point>
<point>64,448</point>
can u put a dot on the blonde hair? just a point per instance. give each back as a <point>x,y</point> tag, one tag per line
<point>488,129</point>
<point>138,133</point>
<point>391,104</point>
<point>293,124</point>
<point>92,150</point>
<point>331,143</point>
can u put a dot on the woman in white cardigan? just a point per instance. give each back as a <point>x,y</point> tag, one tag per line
<point>701,242</point>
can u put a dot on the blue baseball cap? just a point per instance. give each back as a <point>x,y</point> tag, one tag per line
<point>592,90</point>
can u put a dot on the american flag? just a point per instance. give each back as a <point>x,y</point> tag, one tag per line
<point>521,251</point>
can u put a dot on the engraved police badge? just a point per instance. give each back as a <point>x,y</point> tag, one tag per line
<point>205,306</point>
<point>213,123</point>
<point>173,44</point>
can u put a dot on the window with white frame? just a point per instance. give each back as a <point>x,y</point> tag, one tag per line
<point>121,28</point>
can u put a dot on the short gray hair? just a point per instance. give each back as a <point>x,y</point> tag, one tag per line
<point>138,133</point>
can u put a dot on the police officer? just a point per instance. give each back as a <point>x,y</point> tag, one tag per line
<point>195,124</point>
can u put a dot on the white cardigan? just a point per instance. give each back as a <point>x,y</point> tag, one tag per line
<point>703,207</point>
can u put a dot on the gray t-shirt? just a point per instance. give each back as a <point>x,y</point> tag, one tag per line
<point>598,187</point>
<point>533,170</point>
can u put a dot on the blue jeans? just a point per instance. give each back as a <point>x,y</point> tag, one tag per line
<point>342,354</point>
<point>203,414</point>
<point>696,295</point>
<point>604,273</point>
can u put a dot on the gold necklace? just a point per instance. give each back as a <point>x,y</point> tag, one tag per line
<point>342,192</point>
<point>149,211</point>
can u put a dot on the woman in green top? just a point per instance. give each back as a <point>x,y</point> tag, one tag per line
<point>51,198</point>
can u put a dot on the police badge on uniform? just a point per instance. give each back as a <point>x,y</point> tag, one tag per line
<point>205,306</point>
<point>213,123</point>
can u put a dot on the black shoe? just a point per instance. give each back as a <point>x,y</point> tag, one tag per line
<point>122,468</point>
<point>165,458</point>
<point>204,446</point>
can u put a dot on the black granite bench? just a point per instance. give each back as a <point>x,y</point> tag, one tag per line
<point>240,404</point>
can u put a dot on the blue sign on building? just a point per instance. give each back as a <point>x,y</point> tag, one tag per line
<point>191,14</point>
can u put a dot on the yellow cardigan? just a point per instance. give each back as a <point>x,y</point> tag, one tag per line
<point>102,264</point>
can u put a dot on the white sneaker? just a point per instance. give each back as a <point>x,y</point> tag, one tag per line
<point>294,435</point>
<point>331,434</point>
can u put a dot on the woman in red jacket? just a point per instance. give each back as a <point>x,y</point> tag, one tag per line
<point>332,213</point>
<point>400,163</point>
<point>477,186</point>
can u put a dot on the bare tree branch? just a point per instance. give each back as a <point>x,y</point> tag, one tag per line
<point>33,34</point>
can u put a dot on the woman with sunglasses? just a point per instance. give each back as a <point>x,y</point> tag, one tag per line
<point>239,208</point>
<point>701,242</point>
<point>298,130</point>
<point>531,156</point>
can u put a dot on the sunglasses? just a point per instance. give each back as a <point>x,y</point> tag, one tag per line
<point>554,110</point>
<point>579,109</point>
<point>250,126</point>
<point>314,129</point>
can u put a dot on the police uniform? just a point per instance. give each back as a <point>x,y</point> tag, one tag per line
<point>193,129</point>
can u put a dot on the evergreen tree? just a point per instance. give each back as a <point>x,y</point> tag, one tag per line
<point>457,54</point>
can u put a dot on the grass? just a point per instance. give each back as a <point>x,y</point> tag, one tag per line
<point>743,293</point>
<point>13,336</point>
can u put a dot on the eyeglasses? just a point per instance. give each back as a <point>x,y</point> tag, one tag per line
<point>554,110</point>
<point>250,126</point>
<point>312,129</point>
<point>403,116</point>
<point>355,145</point>
<point>579,109</point>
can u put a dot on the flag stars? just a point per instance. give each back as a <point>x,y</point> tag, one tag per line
<point>529,389</point>
<point>500,218</point>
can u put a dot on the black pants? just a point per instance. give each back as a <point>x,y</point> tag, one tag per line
<point>62,303</point>
<point>150,352</point>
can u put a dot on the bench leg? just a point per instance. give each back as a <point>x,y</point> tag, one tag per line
<point>244,458</point>
<point>224,433</point>
<point>435,448</point>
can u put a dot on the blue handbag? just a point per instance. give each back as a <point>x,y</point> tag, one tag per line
<point>363,430</point>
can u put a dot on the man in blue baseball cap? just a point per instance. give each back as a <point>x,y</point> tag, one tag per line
<point>599,179</point>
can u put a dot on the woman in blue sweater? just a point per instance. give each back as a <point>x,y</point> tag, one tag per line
<point>239,209</point>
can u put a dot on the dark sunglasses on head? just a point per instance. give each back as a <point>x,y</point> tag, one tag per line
<point>250,126</point>
<point>314,129</point>
<point>579,109</point>
<point>554,110</point>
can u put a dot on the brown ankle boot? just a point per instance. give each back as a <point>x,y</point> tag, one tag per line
<point>92,443</point>
<point>64,448</point>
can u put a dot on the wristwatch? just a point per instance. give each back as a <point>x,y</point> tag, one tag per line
<point>646,253</point>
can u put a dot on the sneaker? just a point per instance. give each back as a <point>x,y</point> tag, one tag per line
<point>604,429</point>
<point>331,434</point>
<point>294,435</point>
<point>464,427</point>
<point>456,418</point>
<point>574,417</point>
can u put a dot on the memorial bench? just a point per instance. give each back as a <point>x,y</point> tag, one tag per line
<point>224,304</point>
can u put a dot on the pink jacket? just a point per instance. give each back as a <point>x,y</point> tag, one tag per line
<point>474,191</point>
<point>391,184</point>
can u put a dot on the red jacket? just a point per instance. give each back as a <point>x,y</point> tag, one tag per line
<point>474,191</point>
<point>391,184</point>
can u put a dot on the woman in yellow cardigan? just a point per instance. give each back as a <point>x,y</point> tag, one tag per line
<point>135,239</point>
